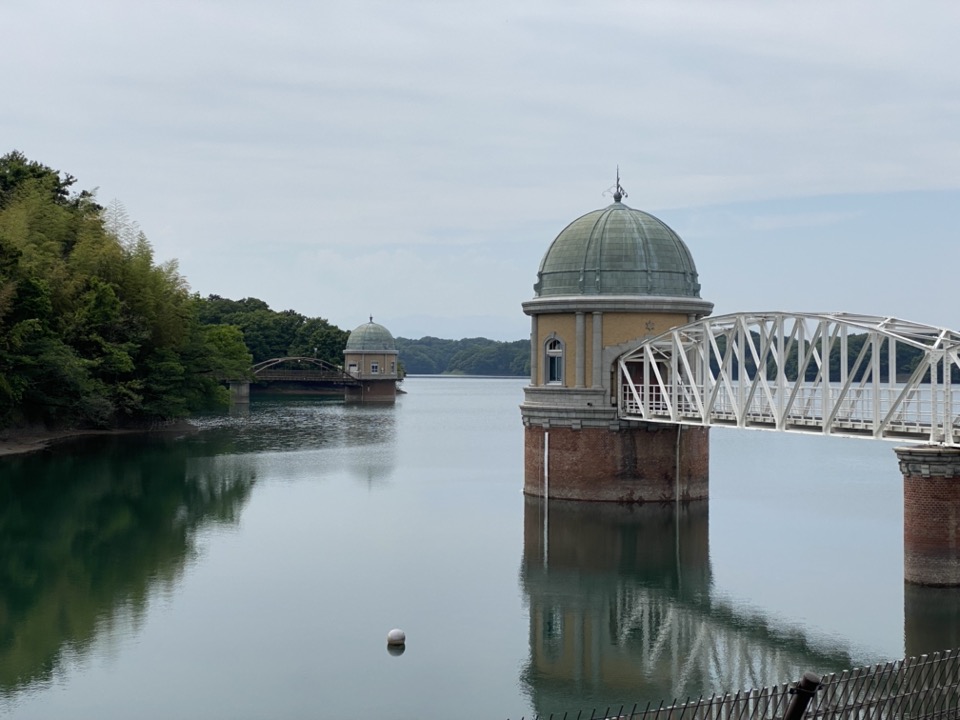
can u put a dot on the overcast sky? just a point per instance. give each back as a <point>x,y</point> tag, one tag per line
<point>413,160</point>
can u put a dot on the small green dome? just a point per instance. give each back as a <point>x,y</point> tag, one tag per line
<point>618,251</point>
<point>371,337</point>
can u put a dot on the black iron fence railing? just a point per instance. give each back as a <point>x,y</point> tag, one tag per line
<point>923,688</point>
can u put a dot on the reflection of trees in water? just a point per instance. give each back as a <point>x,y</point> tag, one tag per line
<point>88,532</point>
<point>621,612</point>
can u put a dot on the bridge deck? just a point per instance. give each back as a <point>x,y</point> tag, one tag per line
<point>906,430</point>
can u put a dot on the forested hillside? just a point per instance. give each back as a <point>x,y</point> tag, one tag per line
<point>93,333</point>
<point>470,356</point>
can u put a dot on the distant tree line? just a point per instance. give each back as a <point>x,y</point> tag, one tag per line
<point>286,333</point>
<point>470,356</point>
<point>93,332</point>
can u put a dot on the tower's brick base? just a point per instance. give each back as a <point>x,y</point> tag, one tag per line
<point>931,514</point>
<point>632,465</point>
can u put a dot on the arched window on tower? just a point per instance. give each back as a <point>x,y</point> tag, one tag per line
<point>554,363</point>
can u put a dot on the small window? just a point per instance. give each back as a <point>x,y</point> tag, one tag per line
<point>554,361</point>
<point>374,368</point>
<point>393,367</point>
<point>352,368</point>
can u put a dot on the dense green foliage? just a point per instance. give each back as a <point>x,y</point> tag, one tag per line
<point>271,334</point>
<point>93,333</point>
<point>470,356</point>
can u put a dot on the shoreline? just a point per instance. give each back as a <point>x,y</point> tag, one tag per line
<point>26,441</point>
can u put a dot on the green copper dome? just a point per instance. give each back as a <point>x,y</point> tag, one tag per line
<point>371,337</point>
<point>617,251</point>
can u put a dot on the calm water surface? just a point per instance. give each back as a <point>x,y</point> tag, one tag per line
<point>253,570</point>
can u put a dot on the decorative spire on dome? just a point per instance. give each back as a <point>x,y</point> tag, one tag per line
<point>371,318</point>
<point>618,192</point>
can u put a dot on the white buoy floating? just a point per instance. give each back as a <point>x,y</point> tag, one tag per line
<point>396,642</point>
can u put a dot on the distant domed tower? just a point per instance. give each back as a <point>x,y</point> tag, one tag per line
<point>371,357</point>
<point>610,279</point>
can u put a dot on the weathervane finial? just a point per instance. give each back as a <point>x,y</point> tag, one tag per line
<point>619,193</point>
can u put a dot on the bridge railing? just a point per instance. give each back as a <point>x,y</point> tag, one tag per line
<point>308,374</point>
<point>301,369</point>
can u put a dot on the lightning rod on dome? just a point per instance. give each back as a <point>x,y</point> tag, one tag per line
<point>618,192</point>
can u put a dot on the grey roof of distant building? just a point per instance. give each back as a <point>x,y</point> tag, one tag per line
<point>618,251</point>
<point>371,337</point>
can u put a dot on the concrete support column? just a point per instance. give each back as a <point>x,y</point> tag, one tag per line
<point>239,392</point>
<point>597,349</point>
<point>581,350</point>
<point>534,349</point>
<point>931,514</point>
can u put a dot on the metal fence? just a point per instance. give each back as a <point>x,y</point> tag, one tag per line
<point>927,687</point>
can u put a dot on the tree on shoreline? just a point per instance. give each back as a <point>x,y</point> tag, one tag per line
<point>93,333</point>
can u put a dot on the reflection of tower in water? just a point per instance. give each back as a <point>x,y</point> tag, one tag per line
<point>621,611</point>
<point>589,580</point>
<point>369,442</point>
<point>931,619</point>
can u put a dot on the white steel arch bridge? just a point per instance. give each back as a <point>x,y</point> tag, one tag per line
<point>828,373</point>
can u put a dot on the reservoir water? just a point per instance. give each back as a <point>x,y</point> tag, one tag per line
<point>253,570</point>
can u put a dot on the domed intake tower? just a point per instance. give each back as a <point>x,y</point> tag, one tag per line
<point>370,356</point>
<point>611,279</point>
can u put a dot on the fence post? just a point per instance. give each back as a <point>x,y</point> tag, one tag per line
<point>802,693</point>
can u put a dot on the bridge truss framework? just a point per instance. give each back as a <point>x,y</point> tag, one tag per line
<point>301,369</point>
<point>827,373</point>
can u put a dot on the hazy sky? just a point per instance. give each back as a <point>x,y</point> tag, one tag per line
<point>413,160</point>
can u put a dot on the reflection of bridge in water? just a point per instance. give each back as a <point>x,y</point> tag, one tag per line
<point>622,611</point>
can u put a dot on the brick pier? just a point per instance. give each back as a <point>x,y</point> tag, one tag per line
<point>632,464</point>
<point>931,514</point>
